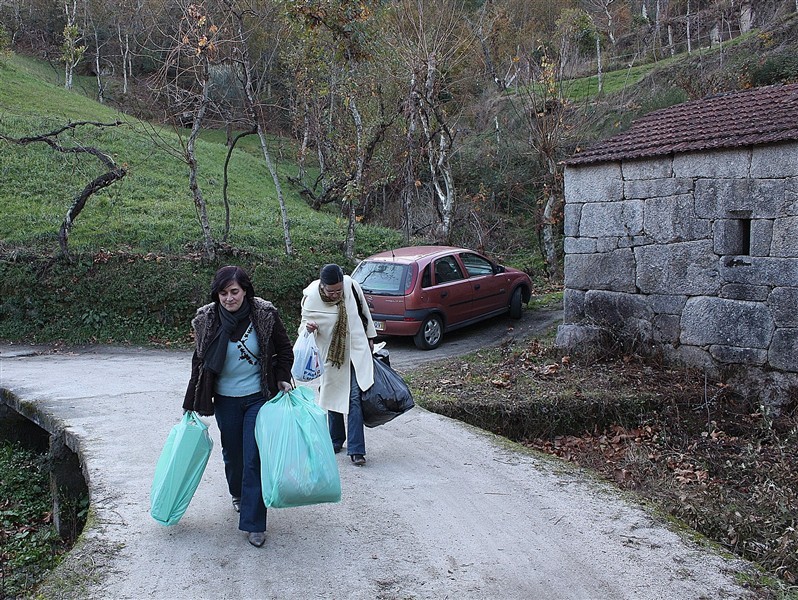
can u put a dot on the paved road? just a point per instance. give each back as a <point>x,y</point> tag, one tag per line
<point>441,510</point>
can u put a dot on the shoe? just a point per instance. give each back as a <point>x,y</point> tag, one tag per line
<point>337,449</point>
<point>236,504</point>
<point>358,459</point>
<point>257,538</point>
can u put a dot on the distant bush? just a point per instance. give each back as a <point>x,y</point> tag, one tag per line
<point>122,298</point>
<point>780,68</point>
<point>5,40</point>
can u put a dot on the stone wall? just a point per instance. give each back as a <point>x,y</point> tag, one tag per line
<point>695,255</point>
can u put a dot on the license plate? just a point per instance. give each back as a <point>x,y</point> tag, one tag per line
<point>379,325</point>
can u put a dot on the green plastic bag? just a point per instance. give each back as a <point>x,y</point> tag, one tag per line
<point>179,469</point>
<point>297,462</point>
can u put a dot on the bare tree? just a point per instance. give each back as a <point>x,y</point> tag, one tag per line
<point>549,123</point>
<point>185,81</point>
<point>429,40</point>
<point>342,112</point>
<point>255,110</point>
<point>71,50</point>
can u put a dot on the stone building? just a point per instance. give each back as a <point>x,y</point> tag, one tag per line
<point>682,238</point>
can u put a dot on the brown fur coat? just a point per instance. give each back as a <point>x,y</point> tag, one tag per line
<point>276,353</point>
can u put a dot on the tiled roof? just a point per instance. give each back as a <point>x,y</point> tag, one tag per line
<point>758,116</point>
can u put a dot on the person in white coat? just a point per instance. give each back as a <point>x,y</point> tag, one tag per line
<point>335,309</point>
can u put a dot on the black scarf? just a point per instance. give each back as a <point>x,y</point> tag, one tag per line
<point>228,321</point>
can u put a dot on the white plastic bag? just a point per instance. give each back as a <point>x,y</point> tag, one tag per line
<point>307,362</point>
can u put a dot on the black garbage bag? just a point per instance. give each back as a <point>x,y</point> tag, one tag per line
<point>388,398</point>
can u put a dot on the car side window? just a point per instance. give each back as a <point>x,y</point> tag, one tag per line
<point>476,265</point>
<point>426,278</point>
<point>447,269</point>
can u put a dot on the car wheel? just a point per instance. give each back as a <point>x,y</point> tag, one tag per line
<point>430,334</point>
<point>516,304</point>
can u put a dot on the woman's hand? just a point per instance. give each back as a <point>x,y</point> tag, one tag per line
<point>284,386</point>
<point>311,326</point>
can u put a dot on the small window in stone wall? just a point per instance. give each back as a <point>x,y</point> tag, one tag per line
<point>740,240</point>
<point>745,236</point>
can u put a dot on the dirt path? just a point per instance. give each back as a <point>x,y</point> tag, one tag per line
<point>440,511</point>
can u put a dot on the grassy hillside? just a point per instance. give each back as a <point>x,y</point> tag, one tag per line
<point>137,275</point>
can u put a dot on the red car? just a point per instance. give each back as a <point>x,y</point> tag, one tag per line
<point>425,291</point>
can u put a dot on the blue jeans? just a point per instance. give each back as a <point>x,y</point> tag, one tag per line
<point>354,422</point>
<point>236,420</point>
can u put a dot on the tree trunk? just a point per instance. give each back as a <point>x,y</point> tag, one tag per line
<point>670,40</point>
<point>191,160</point>
<point>598,63</point>
<point>256,116</point>
<point>124,46</point>
<point>354,190</point>
<point>438,142</point>
<point>97,69</point>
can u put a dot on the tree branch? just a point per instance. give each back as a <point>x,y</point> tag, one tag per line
<point>114,173</point>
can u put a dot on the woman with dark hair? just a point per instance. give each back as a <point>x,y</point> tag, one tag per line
<point>242,358</point>
<point>331,307</point>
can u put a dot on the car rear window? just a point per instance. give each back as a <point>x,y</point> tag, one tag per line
<point>389,279</point>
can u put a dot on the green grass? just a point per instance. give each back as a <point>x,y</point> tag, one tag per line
<point>136,273</point>
<point>151,209</point>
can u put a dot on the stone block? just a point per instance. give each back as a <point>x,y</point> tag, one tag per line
<point>775,160</point>
<point>783,353</point>
<point>791,197</point>
<point>667,304</point>
<point>695,357</point>
<point>666,328</point>
<point>634,241</point>
<point>738,356</point>
<point>673,219</point>
<point>572,215</point>
<point>656,188</point>
<point>771,388</point>
<point>721,163</point>
<point>575,336</point>
<point>605,271</point>
<point>761,237</point>
<point>754,270</point>
<point>614,309</point>
<point>689,268</point>
<point>768,198</point>
<point>593,183</point>
<point>601,219</point>
<point>648,168</point>
<point>783,303</point>
<point>573,306</point>
<point>607,244</point>
<point>742,291</point>
<point>714,198</point>
<point>719,321</point>
<point>579,245</point>
<point>785,238</point>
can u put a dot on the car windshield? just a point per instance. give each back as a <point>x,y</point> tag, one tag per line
<point>388,279</point>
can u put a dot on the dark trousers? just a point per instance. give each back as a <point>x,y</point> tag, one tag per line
<point>356,443</point>
<point>236,420</point>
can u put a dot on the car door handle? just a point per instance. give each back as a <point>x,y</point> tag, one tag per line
<point>477,286</point>
<point>444,294</point>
